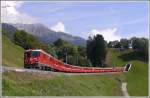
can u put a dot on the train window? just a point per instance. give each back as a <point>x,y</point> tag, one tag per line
<point>35,53</point>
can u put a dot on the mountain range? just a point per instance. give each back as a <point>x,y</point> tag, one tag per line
<point>43,33</point>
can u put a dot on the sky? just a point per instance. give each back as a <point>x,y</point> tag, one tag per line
<point>114,20</point>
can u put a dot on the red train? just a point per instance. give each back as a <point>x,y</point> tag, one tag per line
<point>36,58</point>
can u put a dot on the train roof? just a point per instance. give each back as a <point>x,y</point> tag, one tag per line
<point>40,50</point>
<point>34,50</point>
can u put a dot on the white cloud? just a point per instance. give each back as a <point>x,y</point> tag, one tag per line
<point>109,34</point>
<point>10,14</point>
<point>59,27</point>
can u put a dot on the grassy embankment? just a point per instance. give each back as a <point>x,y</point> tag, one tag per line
<point>25,84</point>
<point>137,77</point>
<point>12,55</point>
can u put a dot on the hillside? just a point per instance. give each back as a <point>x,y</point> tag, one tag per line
<point>44,33</point>
<point>24,84</point>
<point>137,77</point>
<point>12,54</point>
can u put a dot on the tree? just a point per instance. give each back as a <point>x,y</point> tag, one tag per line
<point>114,44</point>
<point>145,49</point>
<point>124,43</point>
<point>82,51</point>
<point>52,50</point>
<point>60,43</point>
<point>140,45</point>
<point>25,40</point>
<point>109,45</point>
<point>20,38</point>
<point>96,50</point>
<point>136,43</point>
<point>117,45</point>
<point>81,61</point>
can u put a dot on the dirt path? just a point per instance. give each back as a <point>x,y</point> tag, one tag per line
<point>124,89</point>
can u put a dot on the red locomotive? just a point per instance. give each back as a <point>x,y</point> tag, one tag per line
<point>39,59</point>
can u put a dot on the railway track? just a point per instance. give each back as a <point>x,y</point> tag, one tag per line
<point>23,70</point>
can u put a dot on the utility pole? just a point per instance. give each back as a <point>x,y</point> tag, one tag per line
<point>66,54</point>
<point>77,59</point>
<point>66,57</point>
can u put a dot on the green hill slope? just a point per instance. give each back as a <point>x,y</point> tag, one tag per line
<point>12,55</point>
<point>137,77</point>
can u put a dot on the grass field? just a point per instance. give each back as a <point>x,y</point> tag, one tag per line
<point>12,55</point>
<point>25,84</point>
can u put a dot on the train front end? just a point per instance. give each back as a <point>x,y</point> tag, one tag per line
<point>31,58</point>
